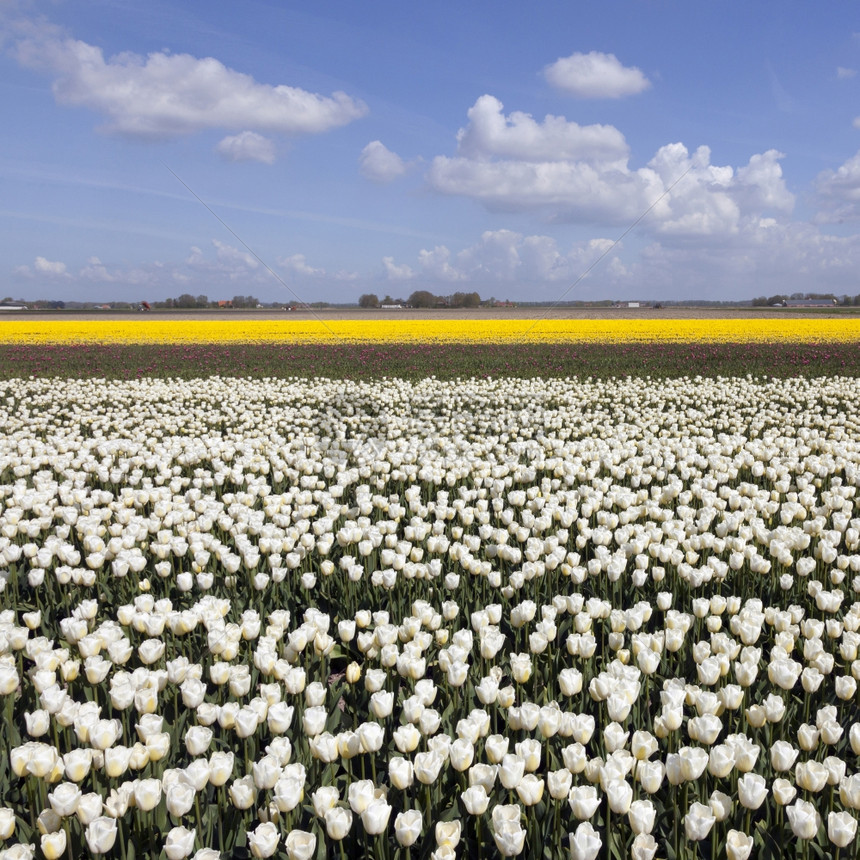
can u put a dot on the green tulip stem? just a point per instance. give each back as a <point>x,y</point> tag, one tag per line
<point>608,829</point>
<point>197,812</point>
<point>70,847</point>
<point>122,846</point>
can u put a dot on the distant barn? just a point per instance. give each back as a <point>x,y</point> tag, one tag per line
<point>808,303</point>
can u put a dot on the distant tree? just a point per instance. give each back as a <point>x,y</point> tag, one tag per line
<point>202,301</point>
<point>368,300</point>
<point>422,299</point>
<point>759,301</point>
<point>389,301</point>
<point>186,300</point>
<point>465,300</point>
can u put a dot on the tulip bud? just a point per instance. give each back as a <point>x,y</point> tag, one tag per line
<point>407,827</point>
<point>804,819</point>
<point>53,844</point>
<point>841,828</point>
<point>101,834</point>
<point>179,843</point>
<point>738,845</point>
<point>338,822</point>
<point>585,842</point>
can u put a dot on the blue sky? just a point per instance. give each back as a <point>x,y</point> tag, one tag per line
<point>388,147</point>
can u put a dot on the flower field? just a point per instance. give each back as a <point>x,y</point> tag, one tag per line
<point>597,359</point>
<point>422,331</point>
<point>541,617</point>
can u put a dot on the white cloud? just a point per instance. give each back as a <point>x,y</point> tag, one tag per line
<point>247,146</point>
<point>43,267</point>
<point>49,267</point>
<point>509,256</point>
<point>595,76</point>
<point>838,191</point>
<point>565,189</point>
<point>494,257</point>
<point>393,272</point>
<point>768,257</point>
<point>842,73</point>
<point>379,164</point>
<point>233,259</point>
<point>95,270</point>
<point>505,256</point>
<point>572,173</point>
<point>297,264</point>
<point>437,263</point>
<point>166,95</point>
<point>519,136</point>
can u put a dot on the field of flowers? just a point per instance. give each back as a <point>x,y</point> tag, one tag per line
<point>468,618</point>
<point>432,331</point>
<point>416,361</point>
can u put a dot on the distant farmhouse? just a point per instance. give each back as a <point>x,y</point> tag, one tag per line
<point>806,303</point>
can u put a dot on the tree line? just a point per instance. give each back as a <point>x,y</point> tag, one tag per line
<point>186,300</point>
<point>422,299</point>
<point>779,298</point>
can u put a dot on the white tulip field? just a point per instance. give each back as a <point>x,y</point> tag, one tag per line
<point>544,618</point>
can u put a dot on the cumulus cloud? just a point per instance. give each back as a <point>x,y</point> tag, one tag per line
<point>437,264</point>
<point>595,76</point>
<point>379,164</point>
<point>770,256</point>
<point>43,267</point>
<point>232,258</point>
<point>519,136</point>
<point>95,270</point>
<point>49,267</point>
<point>569,190</point>
<point>393,272</point>
<point>838,191</point>
<point>573,173</point>
<point>297,264</point>
<point>247,146</point>
<point>230,263</point>
<point>505,256</point>
<point>167,95</point>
